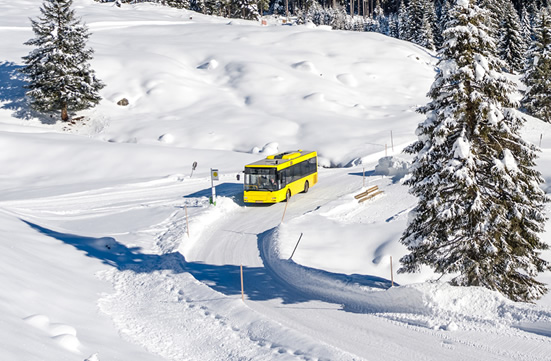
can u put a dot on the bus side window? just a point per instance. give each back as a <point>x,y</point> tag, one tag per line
<point>288,176</point>
<point>296,172</point>
<point>281,178</point>
<point>305,168</point>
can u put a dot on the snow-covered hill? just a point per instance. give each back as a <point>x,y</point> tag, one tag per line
<point>110,250</point>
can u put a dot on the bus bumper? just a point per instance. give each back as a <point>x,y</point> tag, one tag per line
<point>257,197</point>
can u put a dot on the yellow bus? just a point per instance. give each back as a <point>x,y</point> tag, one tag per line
<point>280,176</point>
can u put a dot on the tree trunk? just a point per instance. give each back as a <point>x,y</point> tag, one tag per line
<point>64,114</point>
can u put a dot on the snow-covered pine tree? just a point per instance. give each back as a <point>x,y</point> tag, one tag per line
<point>480,206</point>
<point>277,7</point>
<point>403,22</point>
<point>380,20</point>
<point>511,43</point>
<point>419,28</point>
<point>245,9</point>
<point>493,17</point>
<point>525,26</point>
<point>432,21</point>
<point>441,19</point>
<point>393,25</point>
<point>179,4</point>
<point>58,69</point>
<point>197,5</point>
<point>537,98</point>
<point>212,7</point>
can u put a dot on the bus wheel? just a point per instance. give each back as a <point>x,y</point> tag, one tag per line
<point>288,195</point>
<point>306,186</point>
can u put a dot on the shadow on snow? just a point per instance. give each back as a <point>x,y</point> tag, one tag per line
<point>261,283</point>
<point>12,93</point>
<point>230,190</point>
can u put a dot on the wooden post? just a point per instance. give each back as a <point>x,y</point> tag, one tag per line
<point>187,223</point>
<point>392,141</point>
<point>541,136</point>
<point>242,289</point>
<point>391,273</point>
<point>285,210</point>
<point>292,254</point>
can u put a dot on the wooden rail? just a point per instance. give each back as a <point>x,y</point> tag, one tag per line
<point>368,194</point>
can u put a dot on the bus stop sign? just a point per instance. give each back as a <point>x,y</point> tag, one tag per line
<point>214,174</point>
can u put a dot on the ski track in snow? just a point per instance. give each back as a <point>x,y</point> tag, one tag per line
<point>162,303</point>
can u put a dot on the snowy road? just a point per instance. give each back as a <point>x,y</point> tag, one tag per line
<point>179,296</point>
<point>239,238</point>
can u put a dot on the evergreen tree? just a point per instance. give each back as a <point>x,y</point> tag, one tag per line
<point>179,4</point>
<point>197,5</point>
<point>432,22</point>
<point>246,9</point>
<point>394,26</point>
<point>511,43</point>
<point>493,16</point>
<point>403,22</point>
<point>59,75</point>
<point>381,22</point>
<point>278,7</point>
<point>419,28</point>
<point>442,19</point>
<point>212,7</point>
<point>525,26</point>
<point>537,99</point>
<point>480,205</point>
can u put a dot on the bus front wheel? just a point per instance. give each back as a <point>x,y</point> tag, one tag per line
<point>288,195</point>
<point>306,187</point>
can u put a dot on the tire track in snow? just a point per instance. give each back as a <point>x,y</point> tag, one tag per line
<point>175,316</point>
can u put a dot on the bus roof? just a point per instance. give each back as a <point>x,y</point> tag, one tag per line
<point>279,159</point>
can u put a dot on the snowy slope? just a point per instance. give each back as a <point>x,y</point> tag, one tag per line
<point>111,251</point>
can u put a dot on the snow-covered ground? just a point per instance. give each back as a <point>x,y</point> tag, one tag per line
<point>110,249</point>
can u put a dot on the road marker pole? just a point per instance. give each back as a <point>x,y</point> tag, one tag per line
<point>187,222</point>
<point>285,210</point>
<point>242,289</point>
<point>292,254</point>
<point>391,273</point>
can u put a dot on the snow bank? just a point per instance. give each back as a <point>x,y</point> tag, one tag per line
<point>435,305</point>
<point>392,166</point>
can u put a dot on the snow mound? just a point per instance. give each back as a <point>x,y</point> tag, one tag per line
<point>315,97</point>
<point>347,79</point>
<point>306,66</point>
<point>393,167</point>
<point>93,357</point>
<point>39,321</point>
<point>68,342</point>
<point>166,138</point>
<point>209,65</point>
<point>64,335</point>
<point>268,149</point>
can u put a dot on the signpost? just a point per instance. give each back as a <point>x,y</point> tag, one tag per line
<point>213,177</point>
<point>193,166</point>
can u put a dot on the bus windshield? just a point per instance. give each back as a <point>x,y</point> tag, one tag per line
<point>260,179</point>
